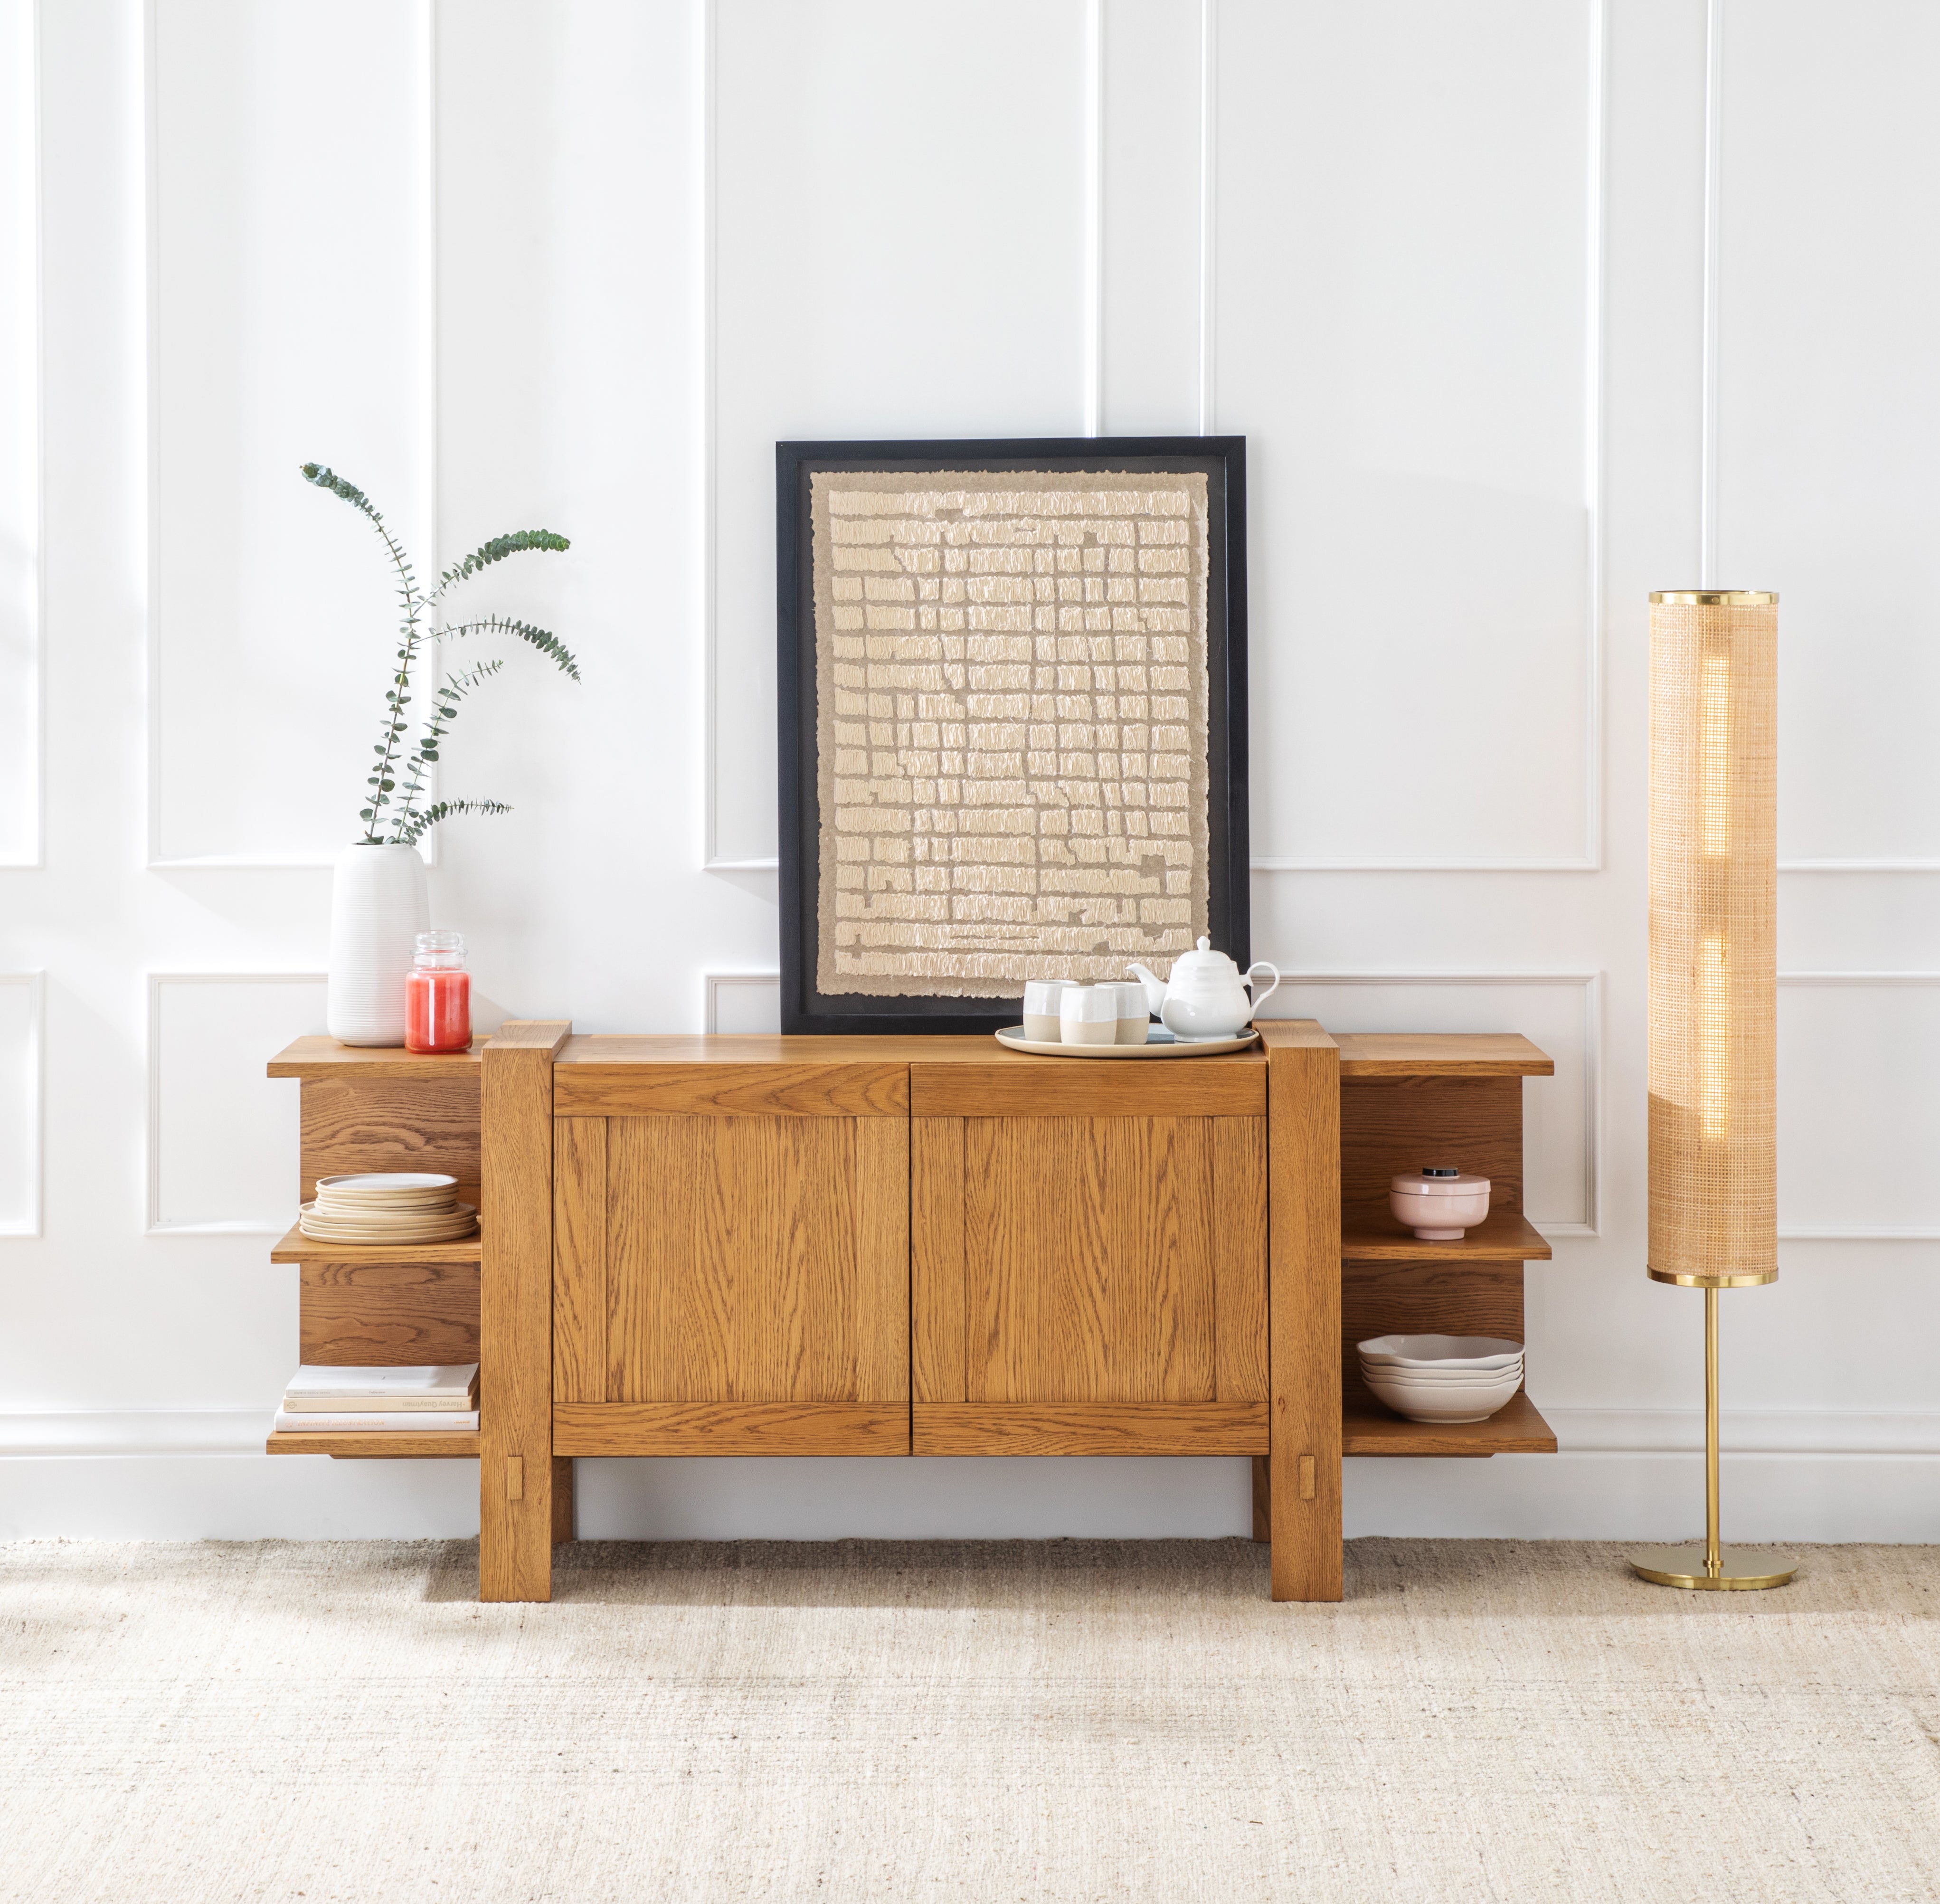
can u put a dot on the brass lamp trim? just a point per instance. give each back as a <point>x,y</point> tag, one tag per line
<point>1741,1570</point>
<point>1716,598</point>
<point>1756,1280</point>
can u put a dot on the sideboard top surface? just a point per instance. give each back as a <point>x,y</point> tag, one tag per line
<point>1441,1054</point>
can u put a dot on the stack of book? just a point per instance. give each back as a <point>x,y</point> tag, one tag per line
<point>379,1401</point>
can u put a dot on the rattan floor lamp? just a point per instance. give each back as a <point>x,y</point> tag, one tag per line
<point>1713,992</point>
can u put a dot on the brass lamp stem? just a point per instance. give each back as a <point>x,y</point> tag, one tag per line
<point>1713,1564</point>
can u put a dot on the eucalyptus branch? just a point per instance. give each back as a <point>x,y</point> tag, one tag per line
<point>382,782</point>
<point>496,550</point>
<point>414,829</point>
<point>547,643</point>
<point>406,825</point>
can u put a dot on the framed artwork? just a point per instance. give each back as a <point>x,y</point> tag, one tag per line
<point>1013,703</point>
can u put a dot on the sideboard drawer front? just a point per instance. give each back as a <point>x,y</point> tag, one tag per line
<point>716,1259</point>
<point>667,1428</point>
<point>1007,1085</point>
<point>838,1091</point>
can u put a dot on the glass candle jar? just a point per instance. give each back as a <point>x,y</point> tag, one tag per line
<point>438,996</point>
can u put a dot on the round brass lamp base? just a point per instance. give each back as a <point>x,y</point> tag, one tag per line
<point>1739,1569</point>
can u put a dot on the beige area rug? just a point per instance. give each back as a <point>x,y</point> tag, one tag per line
<point>1080,1720</point>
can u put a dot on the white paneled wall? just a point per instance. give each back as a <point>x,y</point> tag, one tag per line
<point>1524,307</point>
<point>20,444</point>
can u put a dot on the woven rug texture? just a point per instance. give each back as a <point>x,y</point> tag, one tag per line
<point>1082,1720</point>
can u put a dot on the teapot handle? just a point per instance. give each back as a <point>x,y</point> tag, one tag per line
<point>1259,997</point>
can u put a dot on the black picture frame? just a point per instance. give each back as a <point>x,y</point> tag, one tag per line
<point>1222,460</point>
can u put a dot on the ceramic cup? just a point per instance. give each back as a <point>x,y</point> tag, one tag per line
<point>1088,1014</point>
<point>1134,1015</point>
<point>1041,997</point>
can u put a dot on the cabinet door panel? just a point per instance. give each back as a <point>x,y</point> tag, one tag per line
<point>758,1259</point>
<point>1093,1254</point>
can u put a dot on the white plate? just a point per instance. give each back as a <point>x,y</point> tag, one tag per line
<point>1167,1046</point>
<point>1441,1404</point>
<point>447,1226</point>
<point>1440,1351</point>
<point>383,1182</point>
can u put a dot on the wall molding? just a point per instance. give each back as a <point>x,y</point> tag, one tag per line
<point>157,981</point>
<point>1591,983</point>
<point>30,373</point>
<point>1857,1232</point>
<point>1595,434</point>
<point>1209,173</point>
<point>712,984</point>
<point>426,350</point>
<point>34,983</point>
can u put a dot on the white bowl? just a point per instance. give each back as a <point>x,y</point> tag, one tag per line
<point>1456,1378</point>
<point>1441,1402</point>
<point>1440,1351</point>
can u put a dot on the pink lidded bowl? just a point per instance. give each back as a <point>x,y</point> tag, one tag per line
<point>1438,1203</point>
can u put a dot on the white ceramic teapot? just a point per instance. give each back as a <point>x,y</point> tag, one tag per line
<point>1207,997</point>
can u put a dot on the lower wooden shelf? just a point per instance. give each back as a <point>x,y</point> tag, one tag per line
<point>439,1444</point>
<point>1366,1427</point>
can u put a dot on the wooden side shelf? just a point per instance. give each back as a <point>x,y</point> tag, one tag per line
<point>1368,1427</point>
<point>377,1447</point>
<point>1506,1236</point>
<point>297,1248</point>
<point>1441,1055</point>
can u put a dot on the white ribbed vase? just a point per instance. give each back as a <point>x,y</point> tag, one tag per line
<point>378,906</point>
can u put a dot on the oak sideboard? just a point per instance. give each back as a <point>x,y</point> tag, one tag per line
<point>897,1246</point>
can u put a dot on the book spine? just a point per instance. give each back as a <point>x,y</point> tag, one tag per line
<point>425,1422</point>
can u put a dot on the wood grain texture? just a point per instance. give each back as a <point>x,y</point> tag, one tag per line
<point>1441,1055</point>
<point>295,1247</point>
<point>1504,1236</point>
<point>742,1266</point>
<point>371,1119</point>
<point>880,1309</point>
<point>1072,1088</point>
<point>762,1048</point>
<point>565,1500</point>
<point>515,1312</point>
<point>854,1090</point>
<point>1432,1298</point>
<point>388,1315</point>
<point>1090,1428</point>
<point>1369,1428</point>
<point>579,1297</point>
<point>1263,1495</point>
<point>1392,1125</point>
<point>1303,1171</point>
<point>446,1446</point>
<point>1239,1241</point>
<point>740,1428</point>
<point>937,1294</point>
<point>1090,1264</point>
<point>320,1057</point>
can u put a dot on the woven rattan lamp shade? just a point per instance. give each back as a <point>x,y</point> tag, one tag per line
<point>1713,937</point>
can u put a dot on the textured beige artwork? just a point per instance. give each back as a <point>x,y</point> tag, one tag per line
<point>1011,706</point>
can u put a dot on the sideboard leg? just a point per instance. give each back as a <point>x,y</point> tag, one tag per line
<point>1304,1166</point>
<point>1262,1498</point>
<point>516,1469</point>
<point>565,1507</point>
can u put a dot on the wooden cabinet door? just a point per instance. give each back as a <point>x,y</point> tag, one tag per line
<point>731,1260</point>
<point>1089,1257</point>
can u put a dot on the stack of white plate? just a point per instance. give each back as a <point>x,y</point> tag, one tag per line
<point>1442,1378</point>
<point>376,1207</point>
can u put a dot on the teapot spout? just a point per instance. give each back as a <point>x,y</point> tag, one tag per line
<point>1155,987</point>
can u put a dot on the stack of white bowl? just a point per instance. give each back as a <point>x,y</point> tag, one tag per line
<point>1442,1378</point>
<point>377,1207</point>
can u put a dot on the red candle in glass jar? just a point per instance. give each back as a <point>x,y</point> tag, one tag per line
<point>438,996</point>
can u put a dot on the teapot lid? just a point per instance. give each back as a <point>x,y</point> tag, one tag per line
<point>1203,959</point>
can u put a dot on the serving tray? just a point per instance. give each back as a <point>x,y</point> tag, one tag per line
<point>1159,1043</point>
